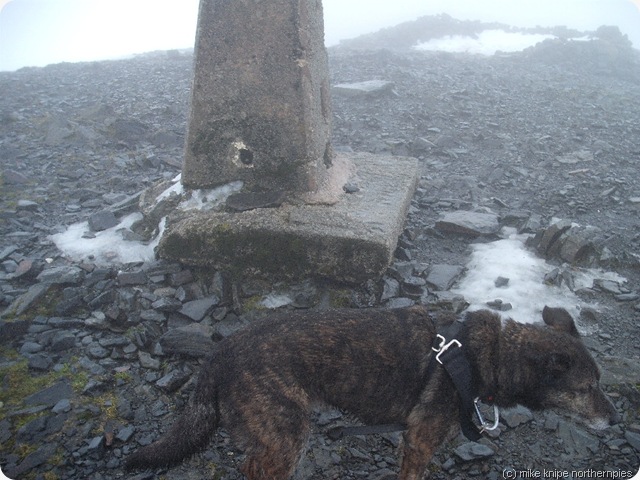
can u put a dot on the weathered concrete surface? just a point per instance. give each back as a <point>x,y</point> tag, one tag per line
<point>261,106</point>
<point>350,241</point>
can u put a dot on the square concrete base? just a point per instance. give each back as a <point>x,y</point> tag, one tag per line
<point>350,241</point>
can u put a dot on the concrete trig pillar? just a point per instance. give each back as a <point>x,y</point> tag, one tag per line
<point>261,108</point>
<point>261,113</point>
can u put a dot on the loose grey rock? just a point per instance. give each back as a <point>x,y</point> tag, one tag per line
<point>173,381</point>
<point>193,340</point>
<point>12,177</point>
<point>33,460</point>
<point>125,433</point>
<point>468,223</point>
<point>51,395</point>
<point>516,416</point>
<point>473,451</point>
<point>167,304</point>
<point>62,341</point>
<point>63,406</point>
<point>577,439</point>
<point>27,300</point>
<point>132,278</point>
<point>390,289</point>
<point>633,438</point>
<point>62,275</point>
<point>102,221</point>
<point>229,325</point>
<point>442,277</point>
<point>364,89</point>
<point>147,361</point>
<point>197,309</point>
<point>30,347</point>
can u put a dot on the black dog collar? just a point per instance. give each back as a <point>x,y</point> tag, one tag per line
<point>449,353</point>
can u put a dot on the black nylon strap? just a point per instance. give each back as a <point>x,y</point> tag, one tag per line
<point>459,370</point>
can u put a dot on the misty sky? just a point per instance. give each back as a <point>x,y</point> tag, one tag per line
<point>38,32</point>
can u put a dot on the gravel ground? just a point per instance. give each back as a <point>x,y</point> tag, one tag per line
<point>88,371</point>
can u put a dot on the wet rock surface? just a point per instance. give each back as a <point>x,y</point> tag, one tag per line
<point>96,360</point>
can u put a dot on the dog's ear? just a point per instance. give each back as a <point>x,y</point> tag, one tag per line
<point>559,319</point>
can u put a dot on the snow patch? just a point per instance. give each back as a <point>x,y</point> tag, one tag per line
<point>526,290</point>
<point>105,247</point>
<point>488,42</point>
<point>109,246</point>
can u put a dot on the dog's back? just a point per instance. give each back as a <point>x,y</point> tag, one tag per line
<point>262,382</point>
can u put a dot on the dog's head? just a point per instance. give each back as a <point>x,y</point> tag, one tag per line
<point>569,378</point>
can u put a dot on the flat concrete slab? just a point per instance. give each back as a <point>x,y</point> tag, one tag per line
<point>350,241</point>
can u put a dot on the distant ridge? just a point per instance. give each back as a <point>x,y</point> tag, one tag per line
<point>406,35</point>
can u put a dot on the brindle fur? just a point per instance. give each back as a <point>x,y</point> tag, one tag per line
<point>262,382</point>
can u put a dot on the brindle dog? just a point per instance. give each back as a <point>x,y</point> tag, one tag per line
<point>262,382</point>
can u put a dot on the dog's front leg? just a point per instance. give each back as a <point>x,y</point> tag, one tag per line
<point>419,444</point>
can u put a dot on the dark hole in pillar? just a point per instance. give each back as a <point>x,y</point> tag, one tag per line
<point>246,156</point>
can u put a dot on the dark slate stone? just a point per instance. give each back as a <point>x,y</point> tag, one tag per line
<point>167,304</point>
<point>62,341</point>
<point>11,177</point>
<point>399,302</point>
<point>132,278</point>
<point>180,278</point>
<point>63,406</point>
<point>197,309</point>
<point>229,325</point>
<point>193,341</point>
<point>469,223</point>
<point>633,438</point>
<point>51,395</point>
<point>442,277</point>
<point>5,430</point>
<point>40,362</point>
<point>29,299</point>
<point>368,88</point>
<point>516,416</point>
<point>473,451</point>
<point>62,275</point>
<point>30,347</point>
<point>125,433</point>
<point>173,381</point>
<point>33,460</point>
<point>390,289</point>
<point>102,220</point>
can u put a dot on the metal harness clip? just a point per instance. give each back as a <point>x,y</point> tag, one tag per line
<point>486,426</point>
<point>444,347</point>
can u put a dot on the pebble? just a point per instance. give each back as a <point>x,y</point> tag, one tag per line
<point>468,223</point>
<point>442,277</point>
<point>102,220</point>
<point>473,451</point>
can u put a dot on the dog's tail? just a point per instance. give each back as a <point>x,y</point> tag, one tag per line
<point>188,435</point>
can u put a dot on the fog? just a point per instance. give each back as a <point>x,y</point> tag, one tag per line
<point>39,32</point>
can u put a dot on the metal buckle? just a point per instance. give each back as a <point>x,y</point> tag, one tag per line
<point>442,342</point>
<point>444,348</point>
<point>486,426</point>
